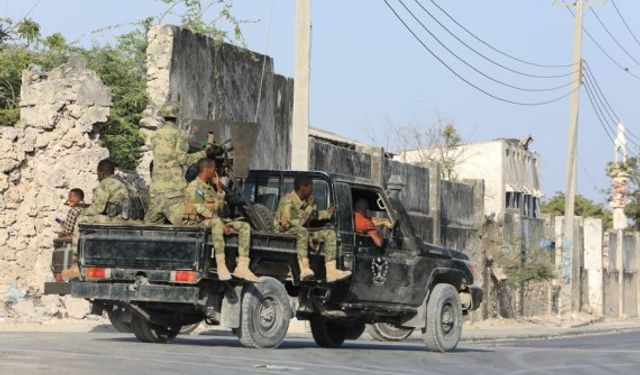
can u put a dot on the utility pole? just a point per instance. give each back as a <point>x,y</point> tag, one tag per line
<point>570,254</point>
<point>300,123</point>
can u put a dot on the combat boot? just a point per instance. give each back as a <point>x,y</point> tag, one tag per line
<point>334,274</point>
<point>305,271</point>
<point>221,267</point>
<point>242,271</point>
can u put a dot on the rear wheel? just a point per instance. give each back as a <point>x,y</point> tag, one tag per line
<point>265,314</point>
<point>387,332</point>
<point>152,333</point>
<point>444,319</point>
<point>327,333</point>
<point>355,330</point>
<point>117,322</point>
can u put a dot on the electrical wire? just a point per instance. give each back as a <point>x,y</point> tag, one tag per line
<point>454,72</point>
<point>596,109</point>
<point>494,48</point>
<point>484,56</point>
<point>614,61</point>
<point>606,104</point>
<point>472,67</point>
<point>625,22</point>
<point>612,36</point>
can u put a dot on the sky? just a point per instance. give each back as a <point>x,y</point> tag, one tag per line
<point>369,74</point>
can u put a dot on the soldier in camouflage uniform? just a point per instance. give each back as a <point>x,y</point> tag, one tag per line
<point>170,155</point>
<point>294,211</point>
<point>106,206</point>
<point>205,199</point>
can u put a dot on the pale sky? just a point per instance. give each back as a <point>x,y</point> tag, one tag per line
<point>368,71</point>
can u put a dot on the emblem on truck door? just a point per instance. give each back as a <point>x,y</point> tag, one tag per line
<point>379,269</point>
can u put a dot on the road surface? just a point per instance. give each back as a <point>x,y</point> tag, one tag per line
<point>107,352</point>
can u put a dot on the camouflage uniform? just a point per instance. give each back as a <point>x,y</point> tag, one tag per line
<point>106,206</point>
<point>170,154</point>
<point>290,218</point>
<point>204,204</point>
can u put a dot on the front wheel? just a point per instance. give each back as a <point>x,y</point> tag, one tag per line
<point>444,319</point>
<point>152,333</point>
<point>265,314</point>
<point>327,333</point>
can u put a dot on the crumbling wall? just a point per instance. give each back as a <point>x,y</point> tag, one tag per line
<point>52,149</point>
<point>218,82</point>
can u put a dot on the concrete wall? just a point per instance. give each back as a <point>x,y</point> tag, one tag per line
<point>593,264</point>
<point>218,83</point>
<point>324,156</point>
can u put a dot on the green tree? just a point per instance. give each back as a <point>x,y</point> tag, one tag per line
<point>584,207</point>
<point>119,64</point>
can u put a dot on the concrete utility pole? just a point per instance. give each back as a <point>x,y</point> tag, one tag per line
<point>571,255</point>
<point>300,123</point>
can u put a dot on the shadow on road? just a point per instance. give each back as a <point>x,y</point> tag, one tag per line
<point>293,344</point>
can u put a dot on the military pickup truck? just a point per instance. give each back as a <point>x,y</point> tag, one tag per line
<point>153,280</point>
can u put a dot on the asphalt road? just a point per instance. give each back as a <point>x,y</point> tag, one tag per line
<point>112,353</point>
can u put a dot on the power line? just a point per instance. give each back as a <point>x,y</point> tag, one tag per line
<point>464,79</point>
<point>484,56</point>
<point>613,37</point>
<point>443,45</point>
<point>614,61</point>
<point>606,104</point>
<point>625,22</point>
<point>596,109</point>
<point>494,48</point>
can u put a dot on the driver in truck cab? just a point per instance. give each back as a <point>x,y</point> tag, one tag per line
<point>293,214</point>
<point>205,199</point>
<point>366,225</point>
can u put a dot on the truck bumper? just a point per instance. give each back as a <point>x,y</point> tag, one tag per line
<point>124,292</point>
<point>476,297</point>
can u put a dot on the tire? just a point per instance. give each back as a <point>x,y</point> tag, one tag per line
<point>265,314</point>
<point>119,324</point>
<point>386,332</point>
<point>355,330</point>
<point>326,333</point>
<point>152,333</point>
<point>444,319</point>
<point>189,328</point>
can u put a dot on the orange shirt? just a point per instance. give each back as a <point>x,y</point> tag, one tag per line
<point>363,224</point>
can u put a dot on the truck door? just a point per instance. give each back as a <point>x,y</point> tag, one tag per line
<point>381,274</point>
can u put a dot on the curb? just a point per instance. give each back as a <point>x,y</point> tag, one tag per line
<point>551,335</point>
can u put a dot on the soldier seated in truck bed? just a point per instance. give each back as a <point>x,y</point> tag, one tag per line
<point>295,211</point>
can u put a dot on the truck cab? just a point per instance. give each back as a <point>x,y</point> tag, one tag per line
<point>152,280</point>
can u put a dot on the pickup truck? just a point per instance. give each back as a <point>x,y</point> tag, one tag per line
<point>153,280</point>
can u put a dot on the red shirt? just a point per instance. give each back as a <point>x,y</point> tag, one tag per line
<point>363,224</point>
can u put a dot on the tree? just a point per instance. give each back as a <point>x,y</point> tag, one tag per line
<point>584,207</point>
<point>438,141</point>
<point>120,64</point>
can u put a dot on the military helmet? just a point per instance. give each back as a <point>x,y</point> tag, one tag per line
<point>170,110</point>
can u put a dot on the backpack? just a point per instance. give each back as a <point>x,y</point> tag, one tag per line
<point>133,206</point>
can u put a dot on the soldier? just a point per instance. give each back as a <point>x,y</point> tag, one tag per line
<point>170,155</point>
<point>106,207</point>
<point>294,211</point>
<point>205,202</point>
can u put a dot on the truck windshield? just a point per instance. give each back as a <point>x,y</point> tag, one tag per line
<point>401,214</point>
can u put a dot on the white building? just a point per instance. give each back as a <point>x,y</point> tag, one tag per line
<point>511,173</point>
